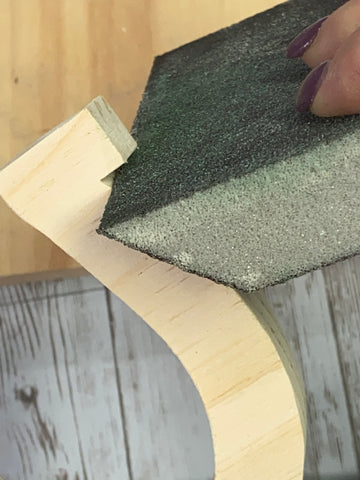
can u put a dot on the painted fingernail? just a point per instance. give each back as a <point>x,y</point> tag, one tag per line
<point>304,40</point>
<point>311,86</point>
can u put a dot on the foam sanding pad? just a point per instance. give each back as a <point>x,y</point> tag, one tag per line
<point>229,181</point>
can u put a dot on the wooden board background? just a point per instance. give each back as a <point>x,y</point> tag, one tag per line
<point>56,56</point>
<point>47,332</point>
<point>89,391</point>
<point>319,314</point>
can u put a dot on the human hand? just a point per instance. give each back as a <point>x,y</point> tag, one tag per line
<point>331,46</point>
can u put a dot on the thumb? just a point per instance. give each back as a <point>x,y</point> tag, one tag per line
<point>333,87</point>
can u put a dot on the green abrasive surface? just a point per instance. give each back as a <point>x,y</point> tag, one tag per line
<point>228,180</point>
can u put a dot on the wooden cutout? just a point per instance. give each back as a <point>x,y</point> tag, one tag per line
<point>56,186</point>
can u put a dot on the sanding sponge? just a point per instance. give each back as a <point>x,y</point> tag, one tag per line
<point>229,181</point>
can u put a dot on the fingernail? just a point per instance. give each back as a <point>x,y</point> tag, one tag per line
<point>311,86</point>
<point>303,41</point>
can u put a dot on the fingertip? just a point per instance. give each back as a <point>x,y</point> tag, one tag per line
<point>339,91</point>
<point>322,39</point>
<point>302,42</point>
<point>310,87</point>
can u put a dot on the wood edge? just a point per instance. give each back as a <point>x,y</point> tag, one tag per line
<point>105,125</point>
<point>38,140</point>
<point>109,122</point>
<point>113,127</point>
<point>267,319</point>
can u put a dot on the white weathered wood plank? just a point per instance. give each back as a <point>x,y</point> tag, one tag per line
<point>168,431</point>
<point>59,407</point>
<point>302,309</point>
<point>159,408</point>
<point>25,292</point>
<point>68,411</point>
<point>342,282</point>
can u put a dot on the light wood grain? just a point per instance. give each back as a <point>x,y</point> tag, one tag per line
<point>239,375</point>
<point>56,56</point>
<point>176,23</point>
<point>98,395</point>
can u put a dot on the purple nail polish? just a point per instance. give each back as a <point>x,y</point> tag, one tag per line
<point>303,41</point>
<point>310,87</point>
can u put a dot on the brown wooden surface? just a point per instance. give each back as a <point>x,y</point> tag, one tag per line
<point>56,56</point>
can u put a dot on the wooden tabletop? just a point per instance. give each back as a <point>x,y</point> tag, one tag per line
<point>56,56</point>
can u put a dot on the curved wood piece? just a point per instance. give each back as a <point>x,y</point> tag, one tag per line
<point>56,187</point>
